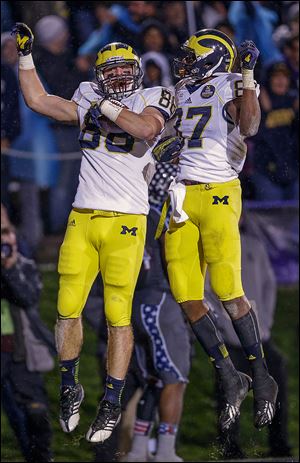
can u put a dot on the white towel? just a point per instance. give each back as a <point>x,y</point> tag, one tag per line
<point>177,193</point>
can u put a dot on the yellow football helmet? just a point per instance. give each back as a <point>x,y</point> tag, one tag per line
<point>118,54</point>
<point>206,52</point>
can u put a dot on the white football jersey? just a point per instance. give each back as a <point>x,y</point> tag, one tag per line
<point>214,150</point>
<point>116,168</point>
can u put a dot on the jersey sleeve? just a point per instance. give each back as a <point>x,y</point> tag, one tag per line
<point>233,87</point>
<point>161,98</point>
<point>85,94</point>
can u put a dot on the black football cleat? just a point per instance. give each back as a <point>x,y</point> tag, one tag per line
<point>108,416</point>
<point>265,395</point>
<point>70,400</point>
<point>233,398</point>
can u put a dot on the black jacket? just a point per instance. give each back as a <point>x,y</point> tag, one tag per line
<point>21,286</point>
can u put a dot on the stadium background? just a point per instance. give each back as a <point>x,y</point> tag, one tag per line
<point>40,164</point>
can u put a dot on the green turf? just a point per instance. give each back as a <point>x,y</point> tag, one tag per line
<point>197,435</point>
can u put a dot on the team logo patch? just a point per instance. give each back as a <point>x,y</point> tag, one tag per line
<point>223,200</point>
<point>208,91</point>
<point>132,231</point>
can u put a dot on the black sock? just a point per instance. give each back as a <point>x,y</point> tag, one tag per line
<point>247,330</point>
<point>209,336</point>
<point>69,372</point>
<point>113,389</point>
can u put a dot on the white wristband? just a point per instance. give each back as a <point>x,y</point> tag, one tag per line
<point>111,109</point>
<point>248,79</point>
<point>26,62</point>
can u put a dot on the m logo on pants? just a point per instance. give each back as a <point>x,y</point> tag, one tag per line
<point>223,200</point>
<point>132,231</point>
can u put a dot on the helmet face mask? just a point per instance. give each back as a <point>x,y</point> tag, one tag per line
<point>206,52</point>
<point>118,85</point>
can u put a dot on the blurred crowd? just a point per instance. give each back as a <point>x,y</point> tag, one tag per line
<point>67,38</point>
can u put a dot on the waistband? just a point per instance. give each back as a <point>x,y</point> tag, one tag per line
<point>210,186</point>
<point>99,212</point>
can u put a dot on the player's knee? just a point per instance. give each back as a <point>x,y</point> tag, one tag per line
<point>237,307</point>
<point>117,308</point>
<point>69,304</point>
<point>222,278</point>
<point>194,310</point>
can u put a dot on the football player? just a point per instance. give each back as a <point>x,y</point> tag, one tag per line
<point>217,110</point>
<point>106,229</point>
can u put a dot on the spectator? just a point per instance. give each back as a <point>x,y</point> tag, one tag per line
<point>34,10</point>
<point>34,174</point>
<point>25,350</point>
<point>260,284</point>
<point>10,122</point>
<point>153,36</point>
<point>225,26</point>
<point>175,19</point>
<point>210,14</point>
<point>156,70</point>
<point>290,27</point>
<point>53,54</point>
<point>291,56</point>
<point>253,21</point>
<point>276,144</point>
<point>82,21</point>
<point>117,24</point>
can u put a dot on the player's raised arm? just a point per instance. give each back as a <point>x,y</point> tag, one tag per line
<point>246,110</point>
<point>34,93</point>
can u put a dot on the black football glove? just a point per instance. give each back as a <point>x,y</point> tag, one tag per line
<point>248,54</point>
<point>167,149</point>
<point>93,115</point>
<point>24,38</point>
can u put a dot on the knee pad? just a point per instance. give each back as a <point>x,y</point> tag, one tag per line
<point>222,277</point>
<point>117,308</point>
<point>69,304</point>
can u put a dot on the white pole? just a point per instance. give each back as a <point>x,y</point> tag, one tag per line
<point>190,11</point>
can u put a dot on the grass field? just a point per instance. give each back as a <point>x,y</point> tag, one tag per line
<point>197,438</point>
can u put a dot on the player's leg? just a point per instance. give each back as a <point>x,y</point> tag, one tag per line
<point>162,353</point>
<point>222,250</point>
<point>143,369</point>
<point>145,417</point>
<point>172,363</point>
<point>186,269</point>
<point>78,267</point>
<point>120,262</point>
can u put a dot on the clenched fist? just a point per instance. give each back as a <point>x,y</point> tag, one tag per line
<point>24,38</point>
